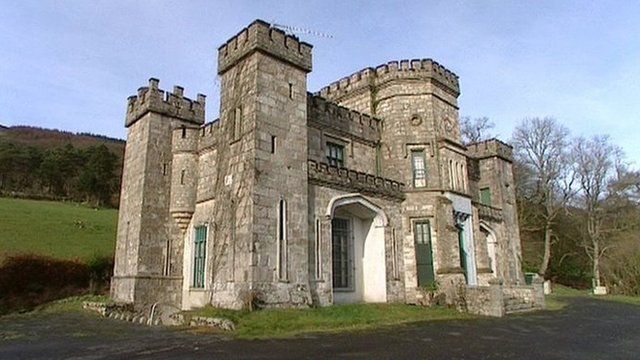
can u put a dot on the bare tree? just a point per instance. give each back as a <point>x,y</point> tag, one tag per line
<point>596,161</point>
<point>475,130</point>
<point>541,147</point>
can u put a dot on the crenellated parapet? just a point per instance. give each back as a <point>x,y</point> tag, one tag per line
<point>355,181</point>
<point>209,135</point>
<point>322,113</point>
<point>490,213</point>
<point>490,148</point>
<point>174,104</point>
<point>425,69</point>
<point>261,36</point>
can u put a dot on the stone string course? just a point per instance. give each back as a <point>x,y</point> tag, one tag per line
<point>269,150</point>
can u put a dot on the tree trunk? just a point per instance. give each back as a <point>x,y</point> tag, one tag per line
<point>546,256</point>
<point>596,263</point>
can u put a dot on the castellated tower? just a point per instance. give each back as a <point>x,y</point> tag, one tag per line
<point>263,115</point>
<point>417,103</point>
<point>158,194</point>
<point>363,192</point>
<point>493,160</point>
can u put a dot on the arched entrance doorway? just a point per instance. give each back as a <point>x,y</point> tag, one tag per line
<point>357,250</point>
<point>492,247</point>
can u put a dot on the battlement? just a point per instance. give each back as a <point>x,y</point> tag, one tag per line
<point>324,113</point>
<point>355,181</point>
<point>152,99</point>
<point>490,148</point>
<point>261,36</point>
<point>403,69</point>
<point>209,134</point>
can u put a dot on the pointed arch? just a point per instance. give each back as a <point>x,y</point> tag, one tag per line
<point>356,199</point>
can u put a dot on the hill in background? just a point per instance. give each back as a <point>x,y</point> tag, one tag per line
<point>56,229</point>
<point>41,163</point>
<point>51,138</point>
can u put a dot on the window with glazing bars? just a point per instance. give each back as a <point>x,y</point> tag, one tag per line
<point>342,253</point>
<point>335,154</point>
<point>419,168</point>
<point>199,256</point>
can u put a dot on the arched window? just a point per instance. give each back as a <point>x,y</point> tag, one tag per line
<point>282,239</point>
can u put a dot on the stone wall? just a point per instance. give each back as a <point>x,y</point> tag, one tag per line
<point>320,197</point>
<point>269,147</point>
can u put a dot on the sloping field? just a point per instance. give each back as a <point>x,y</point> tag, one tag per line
<point>60,230</point>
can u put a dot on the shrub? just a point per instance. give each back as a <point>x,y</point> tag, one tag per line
<point>29,280</point>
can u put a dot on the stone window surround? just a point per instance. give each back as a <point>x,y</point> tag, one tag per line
<point>193,254</point>
<point>433,236</point>
<point>281,241</point>
<point>318,249</point>
<point>346,143</point>
<point>334,153</point>
<point>418,171</point>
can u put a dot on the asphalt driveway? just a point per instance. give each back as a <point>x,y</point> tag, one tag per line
<point>586,329</point>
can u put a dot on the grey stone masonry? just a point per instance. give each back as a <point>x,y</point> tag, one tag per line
<point>324,114</point>
<point>261,36</point>
<point>364,183</point>
<point>174,104</point>
<point>360,192</point>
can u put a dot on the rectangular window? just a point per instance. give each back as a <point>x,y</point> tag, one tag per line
<point>394,254</point>
<point>199,256</point>
<point>273,144</point>
<point>485,196</point>
<point>237,123</point>
<point>342,254</point>
<point>282,240</point>
<point>318,250</point>
<point>419,168</point>
<point>335,154</point>
<point>424,254</point>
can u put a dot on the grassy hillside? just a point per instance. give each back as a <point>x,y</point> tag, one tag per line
<point>51,138</point>
<point>60,230</point>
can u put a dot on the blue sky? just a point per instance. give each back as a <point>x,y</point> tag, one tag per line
<point>71,65</point>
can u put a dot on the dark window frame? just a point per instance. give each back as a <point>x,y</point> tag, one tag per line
<point>335,154</point>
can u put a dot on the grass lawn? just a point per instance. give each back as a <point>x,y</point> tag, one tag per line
<point>56,229</point>
<point>557,300</point>
<point>280,323</point>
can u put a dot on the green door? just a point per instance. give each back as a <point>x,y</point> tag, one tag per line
<point>463,251</point>
<point>424,256</point>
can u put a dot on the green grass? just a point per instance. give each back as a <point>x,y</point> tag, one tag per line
<point>68,305</point>
<point>282,323</point>
<point>558,299</point>
<point>56,229</point>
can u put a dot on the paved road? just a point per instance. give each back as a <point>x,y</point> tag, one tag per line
<point>586,329</point>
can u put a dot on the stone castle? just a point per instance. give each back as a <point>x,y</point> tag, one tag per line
<point>361,192</point>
